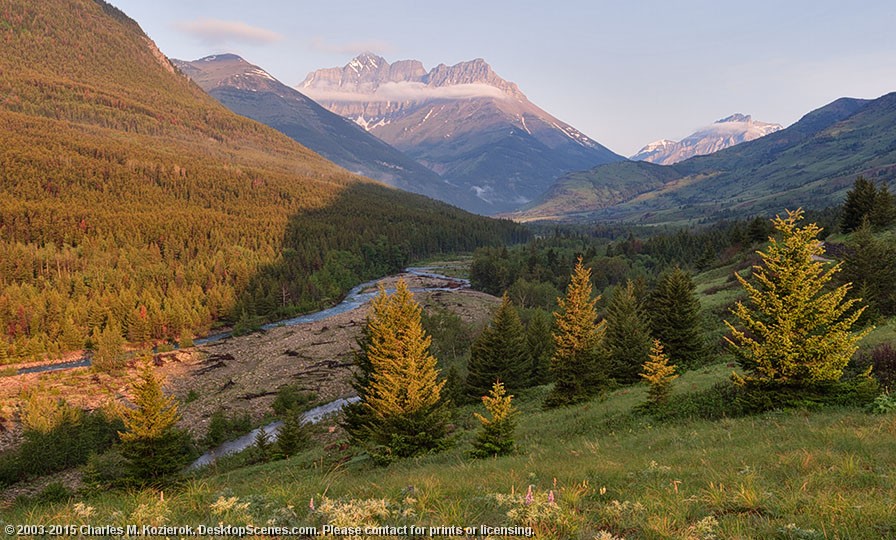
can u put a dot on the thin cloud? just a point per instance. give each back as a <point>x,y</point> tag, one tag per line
<point>218,32</point>
<point>351,47</point>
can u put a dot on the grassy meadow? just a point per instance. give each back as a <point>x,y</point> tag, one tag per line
<point>612,473</point>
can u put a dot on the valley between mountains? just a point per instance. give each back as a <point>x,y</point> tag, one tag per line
<point>697,342</point>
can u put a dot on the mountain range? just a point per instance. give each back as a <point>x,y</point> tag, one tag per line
<point>811,163</point>
<point>729,131</point>
<point>250,91</point>
<point>132,204</point>
<point>476,130</point>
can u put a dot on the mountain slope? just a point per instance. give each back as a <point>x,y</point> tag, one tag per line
<point>250,91</point>
<point>724,133</point>
<point>464,122</point>
<point>811,163</point>
<point>133,203</point>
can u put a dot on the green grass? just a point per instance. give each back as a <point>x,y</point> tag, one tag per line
<point>884,332</point>
<point>776,475</point>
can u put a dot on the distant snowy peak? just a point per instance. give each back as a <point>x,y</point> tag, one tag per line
<point>722,134</point>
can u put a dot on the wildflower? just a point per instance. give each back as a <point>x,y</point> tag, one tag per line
<point>311,504</point>
<point>551,497</point>
<point>529,497</point>
<point>82,510</point>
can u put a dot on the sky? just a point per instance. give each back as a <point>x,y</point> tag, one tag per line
<point>624,73</point>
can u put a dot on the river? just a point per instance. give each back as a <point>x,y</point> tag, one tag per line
<point>239,444</point>
<point>355,298</point>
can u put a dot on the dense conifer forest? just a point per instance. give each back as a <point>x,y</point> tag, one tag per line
<point>132,203</point>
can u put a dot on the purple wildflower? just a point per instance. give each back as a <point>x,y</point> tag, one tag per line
<point>551,497</point>
<point>529,497</point>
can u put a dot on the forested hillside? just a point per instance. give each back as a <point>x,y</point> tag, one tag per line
<point>132,203</point>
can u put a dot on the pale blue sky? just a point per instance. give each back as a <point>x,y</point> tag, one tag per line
<point>625,73</point>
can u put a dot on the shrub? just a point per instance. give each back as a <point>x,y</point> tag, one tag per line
<point>53,493</point>
<point>64,445</point>
<point>291,398</point>
<point>883,404</point>
<point>883,365</point>
<point>222,428</point>
<point>105,470</point>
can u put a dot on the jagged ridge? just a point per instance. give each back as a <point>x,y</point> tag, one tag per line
<point>465,122</point>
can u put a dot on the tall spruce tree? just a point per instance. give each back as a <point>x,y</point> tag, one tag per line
<point>858,205</point>
<point>883,214</point>
<point>576,364</point>
<point>541,346</point>
<point>870,265</point>
<point>155,449</point>
<point>401,412</point>
<point>794,332</point>
<point>108,351</point>
<point>500,354</point>
<point>674,313</point>
<point>628,335</point>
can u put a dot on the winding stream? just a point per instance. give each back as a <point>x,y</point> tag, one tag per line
<point>312,416</point>
<point>356,297</point>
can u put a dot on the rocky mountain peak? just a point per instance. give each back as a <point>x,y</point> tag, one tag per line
<point>728,131</point>
<point>367,61</point>
<point>367,72</point>
<point>476,71</point>
<point>228,70</point>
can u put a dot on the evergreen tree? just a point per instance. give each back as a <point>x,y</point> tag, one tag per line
<point>659,375</point>
<point>401,412</point>
<point>576,363</point>
<point>455,386</point>
<point>263,447</point>
<point>883,214</point>
<point>154,448</point>
<point>500,353</point>
<point>758,230</point>
<point>70,337</point>
<point>870,265</point>
<point>109,348</point>
<point>858,205</point>
<point>794,332</point>
<point>140,329</point>
<point>294,434</point>
<point>674,311</point>
<point>541,346</point>
<point>627,335</point>
<point>496,435</point>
